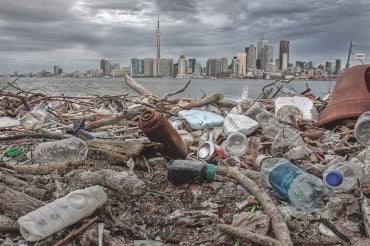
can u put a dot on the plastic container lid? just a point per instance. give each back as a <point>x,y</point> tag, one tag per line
<point>334,178</point>
<point>259,159</point>
<point>211,172</point>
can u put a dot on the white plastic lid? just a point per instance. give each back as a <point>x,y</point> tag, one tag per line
<point>259,159</point>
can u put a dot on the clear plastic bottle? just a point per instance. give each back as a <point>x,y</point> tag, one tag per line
<point>188,171</point>
<point>35,119</point>
<point>343,176</point>
<point>305,191</point>
<point>61,213</point>
<point>70,149</point>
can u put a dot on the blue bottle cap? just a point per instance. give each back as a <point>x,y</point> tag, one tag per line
<point>334,178</point>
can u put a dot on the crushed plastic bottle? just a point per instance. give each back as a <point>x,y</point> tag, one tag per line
<point>305,191</point>
<point>362,129</point>
<point>70,149</point>
<point>61,213</point>
<point>188,171</point>
<point>35,119</point>
<point>343,176</point>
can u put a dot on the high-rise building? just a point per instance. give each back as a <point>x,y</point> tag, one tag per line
<point>260,45</point>
<point>338,66</point>
<point>242,63</point>
<point>104,66</point>
<point>329,67</point>
<point>148,67</point>
<point>213,67</point>
<point>284,55</point>
<point>165,67</point>
<point>136,67</point>
<point>224,65</point>
<point>56,68</point>
<point>197,70</point>
<point>266,57</point>
<point>158,35</point>
<point>182,65</point>
<point>192,62</point>
<point>251,58</point>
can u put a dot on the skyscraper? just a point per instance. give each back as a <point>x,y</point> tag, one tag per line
<point>338,66</point>
<point>284,55</point>
<point>104,66</point>
<point>260,45</point>
<point>158,35</point>
<point>224,65</point>
<point>192,62</point>
<point>242,62</point>
<point>251,58</point>
<point>136,67</point>
<point>182,65</point>
<point>266,57</point>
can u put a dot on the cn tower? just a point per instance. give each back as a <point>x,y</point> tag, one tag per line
<point>158,34</point>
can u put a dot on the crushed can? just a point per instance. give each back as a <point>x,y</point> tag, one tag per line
<point>210,151</point>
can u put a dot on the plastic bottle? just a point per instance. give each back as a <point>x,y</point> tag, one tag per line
<point>35,119</point>
<point>362,129</point>
<point>158,129</point>
<point>61,213</point>
<point>305,191</point>
<point>70,149</point>
<point>236,144</point>
<point>188,171</point>
<point>343,176</point>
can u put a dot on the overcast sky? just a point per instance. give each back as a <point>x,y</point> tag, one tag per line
<point>76,34</point>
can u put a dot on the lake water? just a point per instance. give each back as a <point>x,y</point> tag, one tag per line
<point>196,89</point>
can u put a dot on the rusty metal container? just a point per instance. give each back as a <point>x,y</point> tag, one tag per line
<point>157,128</point>
<point>350,97</point>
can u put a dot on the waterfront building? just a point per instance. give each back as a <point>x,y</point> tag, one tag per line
<point>165,67</point>
<point>241,58</point>
<point>104,66</point>
<point>148,67</point>
<point>56,68</point>
<point>182,65</point>
<point>310,65</point>
<point>338,66</point>
<point>224,65</point>
<point>266,57</point>
<point>136,67</point>
<point>284,55</point>
<point>260,46</point>
<point>213,67</point>
<point>192,62</point>
<point>329,67</point>
<point>198,70</point>
<point>251,58</point>
<point>115,65</point>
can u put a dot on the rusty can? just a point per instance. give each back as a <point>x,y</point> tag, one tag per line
<point>210,151</point>
<point>157,128</point>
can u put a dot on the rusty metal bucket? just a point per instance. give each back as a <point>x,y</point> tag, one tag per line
<point>350,97</point>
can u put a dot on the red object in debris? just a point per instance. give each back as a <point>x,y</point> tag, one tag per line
<point>350,97</point>
<point>209,151</point>
<point>158,129</point>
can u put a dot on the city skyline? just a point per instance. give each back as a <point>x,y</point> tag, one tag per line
<point>75,35</point>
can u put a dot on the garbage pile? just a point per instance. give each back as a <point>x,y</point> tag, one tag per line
<point>150,170</point>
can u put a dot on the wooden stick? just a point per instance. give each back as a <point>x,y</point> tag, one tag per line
<point>198,103</point>
<point>254,237</point>
<point>136,86</point>
<point>279,226</point>
<point>127,114</point>
<point>48,168</point>
<point>75,233</point>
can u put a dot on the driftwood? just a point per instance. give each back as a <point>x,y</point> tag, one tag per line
<point>128,114</point>
<point>199,103</point>
<point>125,184</point>
<point>77,232</point>
<point>254,237</point>
<point>279,226</point>
<point>15,202</point>
<point>365,208</point>
<point>122,150</point>
<point>47,168</point>
<point>136,86</point>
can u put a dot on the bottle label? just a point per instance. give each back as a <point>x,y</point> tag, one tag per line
<point>282,176</point>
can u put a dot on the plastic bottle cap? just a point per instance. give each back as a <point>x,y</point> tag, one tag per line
<point>211,171</point>
<point>259,159</point>
<point>334,178</point>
